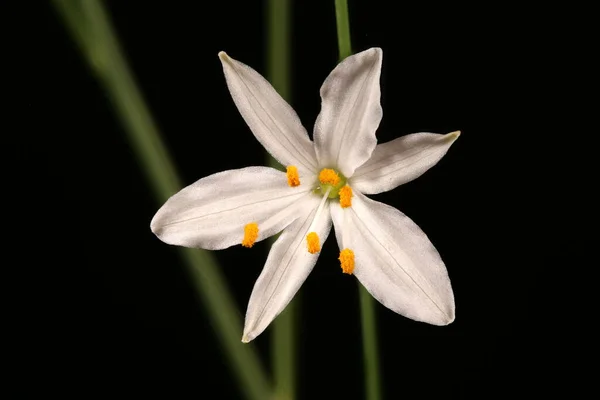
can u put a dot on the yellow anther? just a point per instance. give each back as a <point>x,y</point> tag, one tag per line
<point>250,234</point>
<point>329,177</point>
<point>292,175</point>
<point>346,196</point>
<point>314,245</point>
<point>347,261</point>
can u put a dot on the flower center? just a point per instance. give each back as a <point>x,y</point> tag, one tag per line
<point>331,180</point>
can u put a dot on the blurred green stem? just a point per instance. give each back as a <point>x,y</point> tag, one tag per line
<point>370,351</point>
<point>367,303</point>
<point>89,25</point>
<point>283,347</point>
<point>343,28</point>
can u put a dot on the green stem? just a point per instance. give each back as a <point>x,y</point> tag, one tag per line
<point>89,25</point>
<point>370,351</point>
<point>283,345</point>
<point>367,303</point>
<point>343,28</point>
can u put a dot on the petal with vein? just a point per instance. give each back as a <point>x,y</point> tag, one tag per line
<point>395,261</point>
<point>350,112</point>
<point>212,212</point>
<point>401,160</point>
<point>274,123</point>
<point>287,267</point>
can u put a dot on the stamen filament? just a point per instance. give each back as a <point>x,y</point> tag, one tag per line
<point>346,228</point>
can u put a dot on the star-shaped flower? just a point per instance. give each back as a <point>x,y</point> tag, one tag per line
<point>326,181</point>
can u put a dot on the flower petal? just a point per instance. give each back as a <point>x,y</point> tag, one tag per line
<point>401,160</point>
<point>212,212</point>
<point>395,260</point>
<point>287,267</point>
<point>274,123</point>
<point>350,112</point>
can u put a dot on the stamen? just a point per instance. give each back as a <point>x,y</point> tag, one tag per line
<point>347,261</point>
<point>346,196</point>
<point>312,240</point>
<point>292,176</point>
<point>329,177</point>
<point>250,234</point>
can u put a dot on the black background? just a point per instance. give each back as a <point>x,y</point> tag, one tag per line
<point>117,312</point>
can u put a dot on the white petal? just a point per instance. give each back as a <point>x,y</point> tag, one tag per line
<point>212,212</point>
<point>287,267</point>
<point>394,260</point>
<point>273,122</point>
<point>401,160</point>
<point>350,112</point>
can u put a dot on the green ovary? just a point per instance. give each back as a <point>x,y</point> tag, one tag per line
<point>330,179</point>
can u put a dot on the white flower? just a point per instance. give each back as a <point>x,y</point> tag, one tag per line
<point>325,181</point>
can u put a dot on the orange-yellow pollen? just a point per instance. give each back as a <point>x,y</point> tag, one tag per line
<point>347,261</point>
<point>292,176</point>
<point>250,234</point>
<point>329,176</point>
<point>346,196</point>
<point>313,243</point>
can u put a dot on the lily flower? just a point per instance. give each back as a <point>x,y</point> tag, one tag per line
<point>325,181</point>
